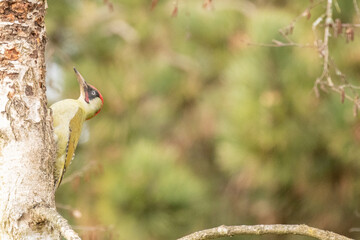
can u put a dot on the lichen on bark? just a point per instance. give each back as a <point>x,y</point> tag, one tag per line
<point>26,143</point>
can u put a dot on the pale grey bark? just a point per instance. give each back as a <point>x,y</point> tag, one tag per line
<point>27,148</point>
<point>279,229</point>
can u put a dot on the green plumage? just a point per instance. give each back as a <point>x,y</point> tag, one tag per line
<point>68,120</point>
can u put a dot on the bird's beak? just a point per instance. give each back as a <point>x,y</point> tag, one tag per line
<point>82,83</point>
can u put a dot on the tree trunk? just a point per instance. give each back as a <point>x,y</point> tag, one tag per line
<point>27,148</point>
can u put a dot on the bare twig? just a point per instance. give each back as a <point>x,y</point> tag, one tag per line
<point>325,49</point>
<point>79,173</point>
<point>305,13</point>
<point>337,6</point>
<point>344,25</point>
<point>356,6</point>
<point>317,23</point>
<point>75,212</point>
<point>277,43</point>
<point>324,81</point>
<point>280,229</point>
<point>94,228</point>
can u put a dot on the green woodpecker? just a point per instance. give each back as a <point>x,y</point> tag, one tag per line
<point>68,118</point>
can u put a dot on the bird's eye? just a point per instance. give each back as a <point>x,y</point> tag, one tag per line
<point>93,93</point>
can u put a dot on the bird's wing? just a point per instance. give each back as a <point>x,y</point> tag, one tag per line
<point>75,127</point>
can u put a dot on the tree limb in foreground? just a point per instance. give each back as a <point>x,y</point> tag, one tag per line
<point>280,229</point>
<point>57,221</point>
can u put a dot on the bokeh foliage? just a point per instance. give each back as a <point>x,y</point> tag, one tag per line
<point>198,128</point>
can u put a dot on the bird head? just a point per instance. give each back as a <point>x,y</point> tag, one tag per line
<point>90,97</point>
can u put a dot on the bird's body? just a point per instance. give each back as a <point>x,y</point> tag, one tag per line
<point>66,140</point>
<point>68,118</point>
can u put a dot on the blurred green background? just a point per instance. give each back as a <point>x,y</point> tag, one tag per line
<point>199,129</point>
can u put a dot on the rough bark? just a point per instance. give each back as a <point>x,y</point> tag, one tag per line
<point>27,147</point>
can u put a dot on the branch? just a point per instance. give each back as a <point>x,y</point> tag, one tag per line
<point>328,23</point>
<point>357,10</point>
<point>280,229</point>
<point>277,43</point>
<point>57,221</point>
<point>325,20</point>
<point>73,211</point>
<point>79,173</point>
